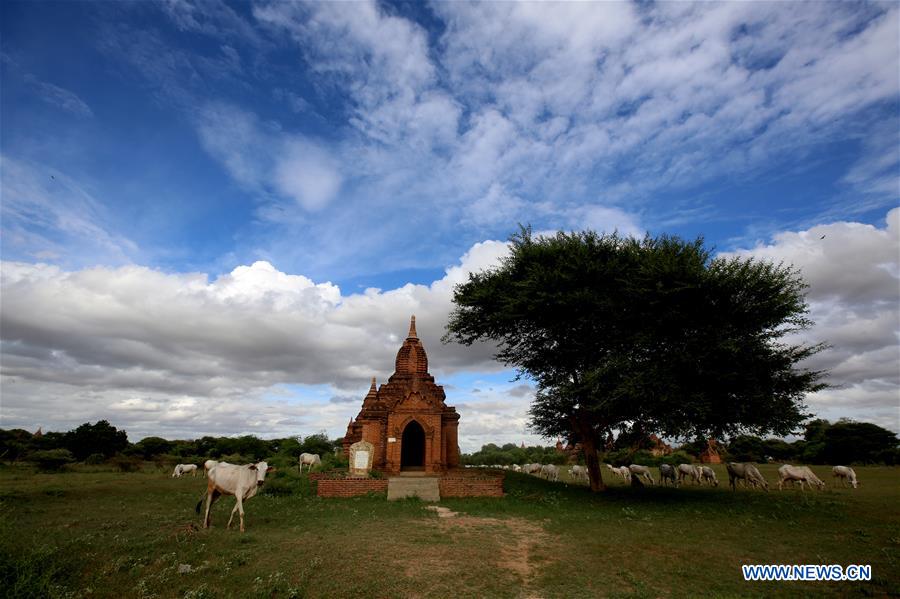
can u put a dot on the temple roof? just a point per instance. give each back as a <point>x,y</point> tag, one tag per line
<point>411,359</point>
<point>372,396</point>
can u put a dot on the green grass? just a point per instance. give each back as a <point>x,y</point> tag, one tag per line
<point>108,534</point>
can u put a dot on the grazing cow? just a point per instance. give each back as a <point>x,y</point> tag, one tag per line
<point>846,474</point>
<point>550,472</point>
<point>192,468</point>
<point>177,472</point>
<point>579,473</point>
<point>531,468</point>
<point>209,465</point>
<point>639,471</point>
<point>709,475</point>
<point>516,468</point>
<point>667,473</point>
<point>228,479</point>
<point>688,470</point>
<point>624,472</point>
<point>745,472</point>
<point>801,474</point>
<point>309,459</point>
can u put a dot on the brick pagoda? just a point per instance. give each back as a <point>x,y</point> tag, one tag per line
<point>406,419</point>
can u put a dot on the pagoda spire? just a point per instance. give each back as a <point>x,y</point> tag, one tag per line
<point>373,392</point>
<point>412,328</point>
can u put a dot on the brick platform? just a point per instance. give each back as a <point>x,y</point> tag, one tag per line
<point>350,487</point>
<point>471,485</point>
<point>456,483</point>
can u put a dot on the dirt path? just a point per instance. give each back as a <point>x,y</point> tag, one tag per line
<point>523,544</point>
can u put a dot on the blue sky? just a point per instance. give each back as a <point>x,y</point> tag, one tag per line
<point>288,156</point>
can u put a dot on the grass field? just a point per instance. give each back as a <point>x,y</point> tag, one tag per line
<point>108,534</point>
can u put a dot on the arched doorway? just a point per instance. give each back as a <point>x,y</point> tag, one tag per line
<point>412,447</point>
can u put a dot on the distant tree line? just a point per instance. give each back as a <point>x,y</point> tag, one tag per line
<point>102,442</point>
<point>491,455</point>
<point>843,442</point>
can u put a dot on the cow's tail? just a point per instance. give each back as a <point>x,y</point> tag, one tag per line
<point>199,503</point>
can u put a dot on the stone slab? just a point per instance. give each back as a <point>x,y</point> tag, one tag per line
<point>361,455</point>
<point>425,488</point>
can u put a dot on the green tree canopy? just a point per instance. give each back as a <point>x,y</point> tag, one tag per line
<point>848,442</point>
<point>654,333</point>
<point>317,443</point>
<point>101,437</point>
<point>151,446</point>
<point>747,448</point>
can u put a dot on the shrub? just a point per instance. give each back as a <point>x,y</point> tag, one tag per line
<point>35,573</point>
<point>279,486</point>
<point>52,460</point>
<point>236,458</point>
<point>678,457</point>
<point>95,459</point>
<point>619,457</point>
<point>126,463</point>
<point>330,460</point>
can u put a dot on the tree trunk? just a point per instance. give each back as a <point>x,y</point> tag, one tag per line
<point>593,463</point>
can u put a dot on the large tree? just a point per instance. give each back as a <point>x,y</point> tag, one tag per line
<point>101,437</point>
<point>651,334</point>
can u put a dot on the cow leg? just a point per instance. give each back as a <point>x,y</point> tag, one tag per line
<point>235,508</point>
<point>211,496</point>
<point>240,509</point>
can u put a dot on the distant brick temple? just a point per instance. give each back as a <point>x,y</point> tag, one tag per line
<point>710,455</point>
<point>406,419</point>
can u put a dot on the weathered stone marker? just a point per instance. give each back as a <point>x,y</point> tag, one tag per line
<point>361,455</point>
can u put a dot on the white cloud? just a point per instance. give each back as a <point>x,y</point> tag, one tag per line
<point>532,111</point>
<point>265,159</point>
<point>308,174</point>
<point>60,97</point>
<point>181,355</point>
<point>854,293</point>
<point>143,345</point>
<point>235,138</point>
<point>46,213</point>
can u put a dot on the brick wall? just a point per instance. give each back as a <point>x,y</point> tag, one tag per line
<point>350,487</point>
<point>470,486</point>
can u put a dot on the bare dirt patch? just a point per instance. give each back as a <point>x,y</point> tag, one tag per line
<point>523,545</point>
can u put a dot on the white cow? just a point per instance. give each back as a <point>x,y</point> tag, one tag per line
<point>309,459</point>
<point>689,470</point>
<point>745,472</point>
<point>624,472</point>
<point>709,475</point>
<point>184,469</point>
<point>846,474</point>
<point>639,471</point>
<point>550,472</point>
<point>801,474</point>
<point>516,468</point>
<point>208,465</point>
<point>532,468</point>
<point>228,479</point>
<point>579,473</point>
